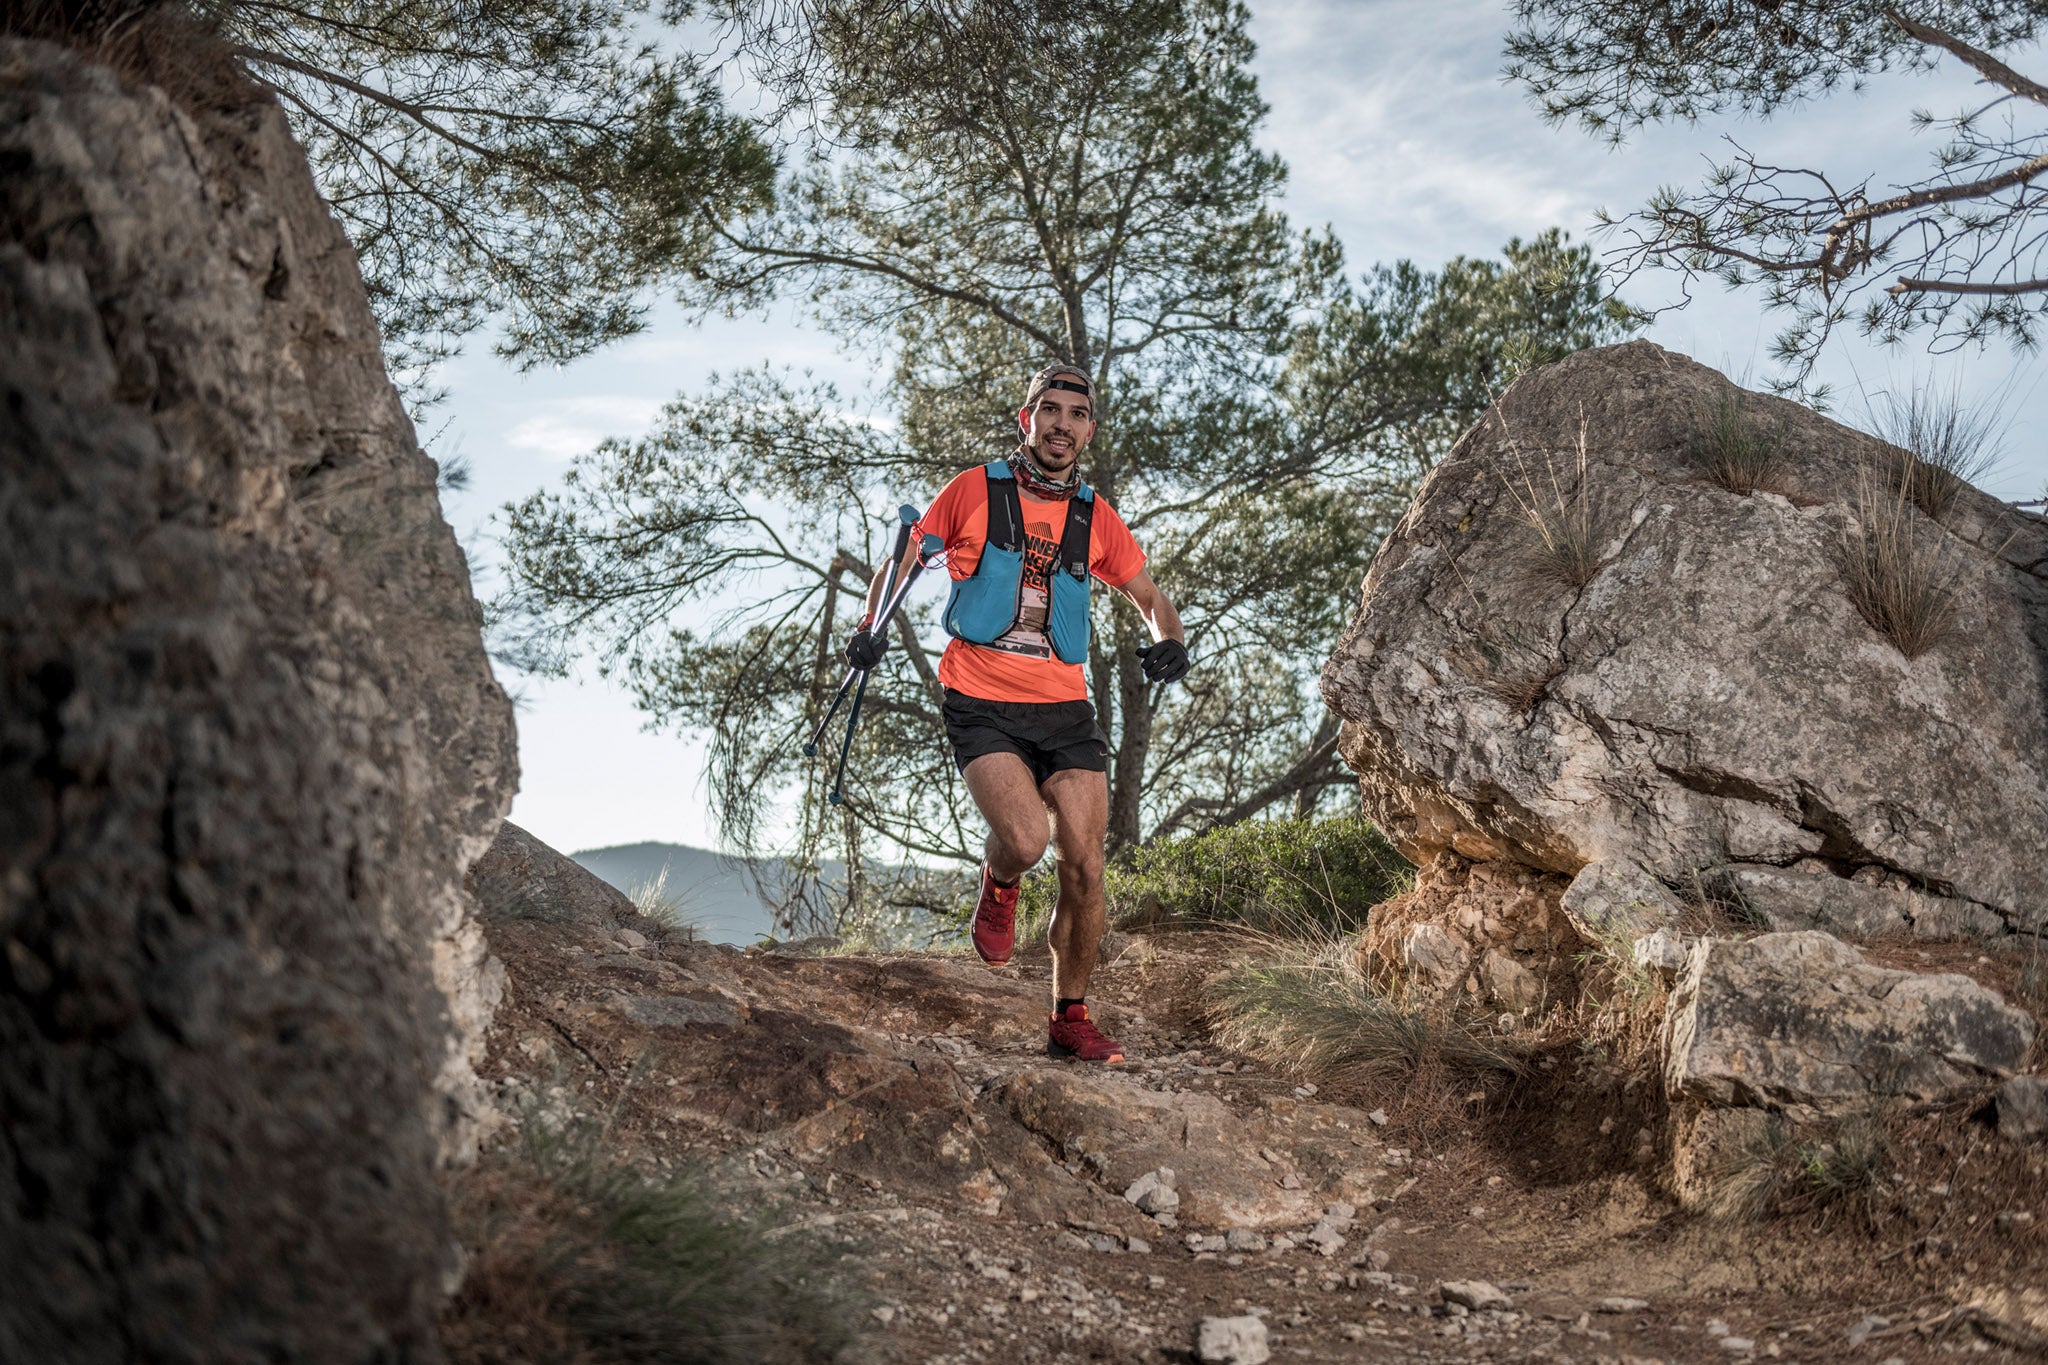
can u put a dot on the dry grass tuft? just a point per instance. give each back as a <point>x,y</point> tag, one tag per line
<point>1904,572</point>
<point>175,47</point>
<point>576,1257</point>
<point>1567,542</point>
<point>1734,454</point>
<point>1833,1174</point>
<point>1308,1009</point>
<point>1943,446</point>
<point>666,908</point>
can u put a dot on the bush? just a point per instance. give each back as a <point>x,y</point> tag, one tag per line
<point>1287,877</point>
<point>577,1257</point>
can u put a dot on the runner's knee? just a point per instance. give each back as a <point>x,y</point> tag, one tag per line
<point>1020,844</point>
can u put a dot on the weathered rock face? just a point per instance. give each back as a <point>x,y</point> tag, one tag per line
<point>248,743</point>
<point>519,877</point>
<point>1801,1019</point>
<point>1492,934</point>
<point>1711,695</point>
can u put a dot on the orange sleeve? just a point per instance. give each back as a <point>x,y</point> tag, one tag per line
<point>1113,553</point>
<point>959,518</point>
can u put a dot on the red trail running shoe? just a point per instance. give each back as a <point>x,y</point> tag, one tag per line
<point>994,929</point>
<point>1074,1036</point>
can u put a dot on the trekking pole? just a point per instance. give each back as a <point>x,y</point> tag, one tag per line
<point>856,679</point>
<point>907,515</point>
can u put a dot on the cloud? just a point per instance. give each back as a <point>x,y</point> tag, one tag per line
<point>567,427</point>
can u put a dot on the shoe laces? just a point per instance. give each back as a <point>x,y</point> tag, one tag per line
<point>999,903</point>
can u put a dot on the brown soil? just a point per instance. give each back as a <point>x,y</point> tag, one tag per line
<point>856,1099</point>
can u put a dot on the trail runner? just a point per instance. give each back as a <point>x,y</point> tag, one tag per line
<point>1016,707</point>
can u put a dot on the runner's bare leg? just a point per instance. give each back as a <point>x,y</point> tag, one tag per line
<point>1080,804</point>
<point>1017,831</point>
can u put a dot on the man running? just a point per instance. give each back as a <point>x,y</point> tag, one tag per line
<point>1022,537</point>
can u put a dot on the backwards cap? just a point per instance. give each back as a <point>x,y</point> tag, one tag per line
<point>1071,378</point>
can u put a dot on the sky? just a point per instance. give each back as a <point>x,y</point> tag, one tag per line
<point>1399,134</point>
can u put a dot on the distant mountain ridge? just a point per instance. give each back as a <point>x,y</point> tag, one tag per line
<point>713,889</point>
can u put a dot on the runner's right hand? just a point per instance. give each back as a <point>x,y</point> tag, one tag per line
<point>865,649</point>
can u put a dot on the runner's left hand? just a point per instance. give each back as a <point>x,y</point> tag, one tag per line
<point>1166,661</point>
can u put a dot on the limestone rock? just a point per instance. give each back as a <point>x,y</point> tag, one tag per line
<point>1617,898</point>
<point>249,742</point>
<point>1788,899</point>
<point>1153,1192</point>
<point>1802,1019</point>
<point>1492,930</point>
<point>520,877</point>
<point>1478,1295</point>
<point>1221,1180</point>
<point>2022,1108</point>
<point>1711,694</point>
<point>1232,1341</point>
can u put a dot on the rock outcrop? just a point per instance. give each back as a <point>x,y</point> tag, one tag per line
<point>1801,1020</point>
<point>248,744</point>
<point>1709,694</point>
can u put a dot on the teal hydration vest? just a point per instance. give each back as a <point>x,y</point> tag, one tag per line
<point>984,606</point>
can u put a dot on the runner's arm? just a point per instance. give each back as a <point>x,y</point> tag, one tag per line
<point>1152,604</point>
<point>875,584</point>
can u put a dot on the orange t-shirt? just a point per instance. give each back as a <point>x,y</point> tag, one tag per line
<point>1021,665</point>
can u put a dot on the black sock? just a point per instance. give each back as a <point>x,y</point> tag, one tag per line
<point>1006,885</point>
<point>1060,1006</point>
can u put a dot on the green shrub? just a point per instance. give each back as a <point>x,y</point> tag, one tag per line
<point>576,1256</point>
<point>1286,877</point>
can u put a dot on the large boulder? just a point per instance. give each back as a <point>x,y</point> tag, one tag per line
<point>1802,1020</point>
<point>1709,694</point>
<point>249,742</point>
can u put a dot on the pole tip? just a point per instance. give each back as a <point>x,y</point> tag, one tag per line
<point>810,751</point>
<point>832,798</point>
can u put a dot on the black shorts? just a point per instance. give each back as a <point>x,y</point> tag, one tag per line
<point>1049,736</point>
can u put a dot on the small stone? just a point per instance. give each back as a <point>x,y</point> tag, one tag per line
<point>1166,1220</point>
<point>1737,1345</point>
<point>1473,1294</point>
<point>1339,1214</point>
<point>1232,1341</point>
<point>1326,1240</point>
<point>1271,1157</point>
<point>1351,1331</point>
<point>1283,1243</point>
<point>1378,1117</point>
<point>1068,1241</point>
<point>1138,1246</point>
<point>1153,1192</point>
<point>1865,1325</point>
<point>632,938</point>
<point>2013,1218</point>
<point>2022,1106</point>
<point>885,1315</point>
<point>1620,1304</point>
<point>1197,1241</point>
<point>1244,1239</point>
<point>1290,1181</point>
<point>1102,1241</point>
<point>1155,1282</point>
<point>1716,1327</point>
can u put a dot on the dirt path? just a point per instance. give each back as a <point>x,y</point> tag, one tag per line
<point>902,1110</point>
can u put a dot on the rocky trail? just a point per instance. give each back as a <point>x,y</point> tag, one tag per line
<point>995,1205</point>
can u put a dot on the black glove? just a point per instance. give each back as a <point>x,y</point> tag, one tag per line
<point>865,649</point>
<point>1166,661</point>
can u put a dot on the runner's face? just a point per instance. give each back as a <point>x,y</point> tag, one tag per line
<point>1057,428</point>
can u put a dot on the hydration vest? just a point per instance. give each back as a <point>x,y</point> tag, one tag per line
<point>983,606</point>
